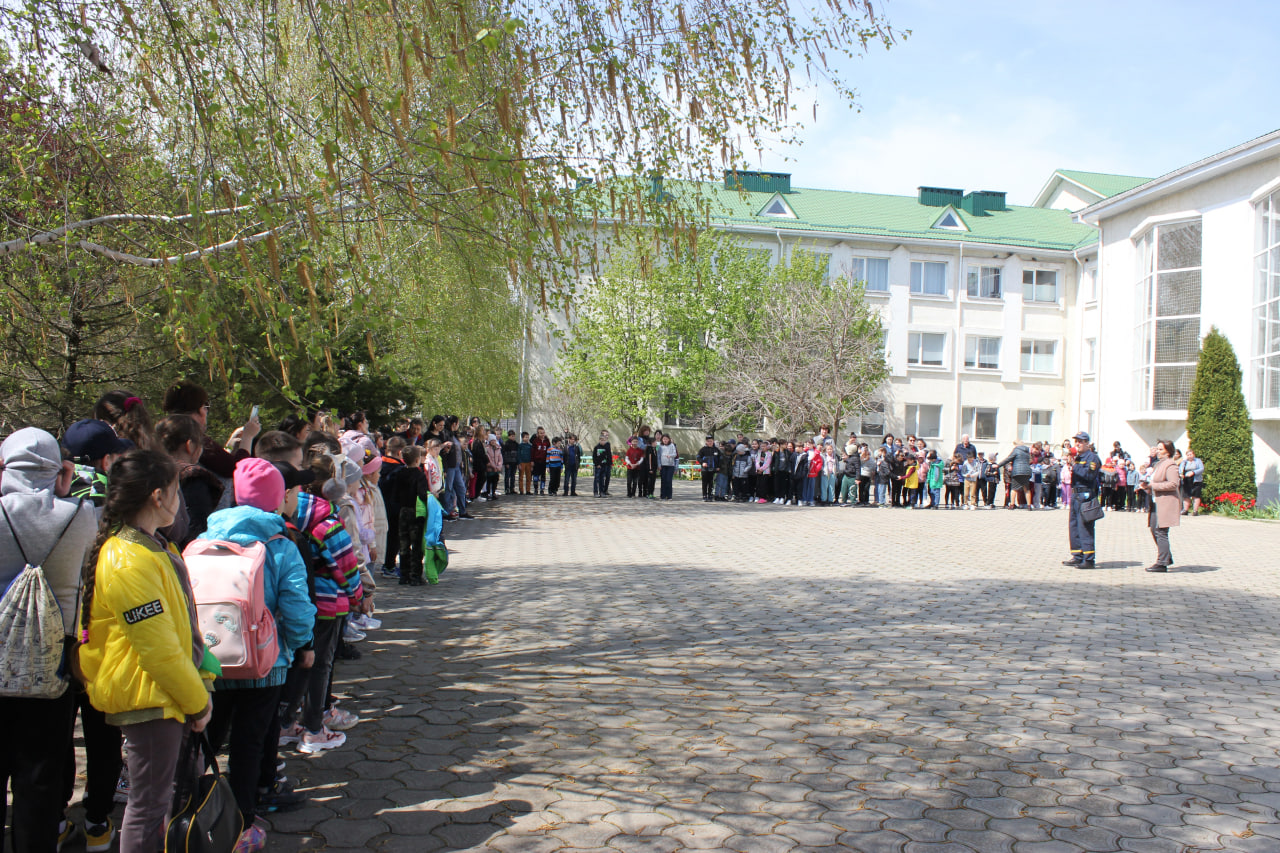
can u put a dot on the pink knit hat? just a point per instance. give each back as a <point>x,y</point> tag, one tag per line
<point>258,484</point>
<point>361,450</point>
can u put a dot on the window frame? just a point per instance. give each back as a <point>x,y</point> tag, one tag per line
<point>919,364</point>
<point>1264,313</point>
<point>976,273</point>
<point>911,285</point>
<point>1028,435</point>
<point>969,422</point>
<point>912,420</point>
<point>1149,319</point>
<point>976,338</point>
<point>1057,285</point>
<point>866,260</point>
<point>1053,356</point>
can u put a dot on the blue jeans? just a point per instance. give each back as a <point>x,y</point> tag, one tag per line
<point>668,475</point>
<point>881,488</point>
<point>935,497</point>
<point>829,487</point>
<point>722,484</point>
<point>807,490</point>
<point>570,479</point>
<point>601,485</point>
<point>455,491</point>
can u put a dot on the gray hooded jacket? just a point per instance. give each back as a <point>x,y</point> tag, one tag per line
<point>32,461</point>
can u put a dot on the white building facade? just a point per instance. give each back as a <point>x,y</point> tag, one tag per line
<point>1193,249</point>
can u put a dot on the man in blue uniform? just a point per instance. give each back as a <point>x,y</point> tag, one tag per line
<point>1084,486</point>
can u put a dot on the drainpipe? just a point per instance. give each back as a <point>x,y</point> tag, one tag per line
<point>956,415</point>
<point>781,248</point>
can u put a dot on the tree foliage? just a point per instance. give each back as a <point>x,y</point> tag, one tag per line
<point>287,167</point>
<point>1219,428</point>
<point>646,333</point>
<point>813,354</point>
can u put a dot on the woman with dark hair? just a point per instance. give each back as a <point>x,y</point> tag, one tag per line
<point>295,426</point>
<point>141,649</point>
<point>1164,508</point>
<point>128,416</point>
<point>182,437</point>
<point>357,421</point>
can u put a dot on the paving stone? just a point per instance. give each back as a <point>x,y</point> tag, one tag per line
<point>567,688</point>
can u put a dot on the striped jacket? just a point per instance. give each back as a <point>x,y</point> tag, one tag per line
<point>337,578</point>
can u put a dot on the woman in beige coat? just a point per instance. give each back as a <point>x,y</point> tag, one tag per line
<point>1164,508</point>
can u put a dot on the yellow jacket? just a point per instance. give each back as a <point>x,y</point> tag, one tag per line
<point>137,663</point>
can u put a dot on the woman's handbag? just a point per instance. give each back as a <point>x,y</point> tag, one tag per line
<point>205,816</point>
<point>1091,510</point>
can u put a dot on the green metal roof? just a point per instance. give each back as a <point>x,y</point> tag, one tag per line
<point>1103,184</point>
<point>890,217</point>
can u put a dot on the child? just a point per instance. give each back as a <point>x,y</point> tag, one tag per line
<point>337,591</point>
<point>541,444</point>
<point>493,471</point>
<point>635,458</point>
<point>525,457</point>
<point>935,480</point>
<point>911,482</point>
<point>246,708</point>
<point>412,485</point>
<point>602,463</point>
<point>572,459</point>
<point>555,464</point>
<point>392,465</point>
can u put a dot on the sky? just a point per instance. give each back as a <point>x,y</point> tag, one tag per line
<point>995,94</point>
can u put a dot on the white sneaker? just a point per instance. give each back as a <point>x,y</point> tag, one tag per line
<point>352,634</point>
<point>367,623</point>
<point>293,734</point>
<point>326,738</point>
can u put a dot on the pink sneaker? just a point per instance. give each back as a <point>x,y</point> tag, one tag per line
<point>326,738</point>
<point>339,720</point>
<point>251,840</point>
<point>289,735</point>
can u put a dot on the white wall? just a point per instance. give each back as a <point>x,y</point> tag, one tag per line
<point>1228,215</point>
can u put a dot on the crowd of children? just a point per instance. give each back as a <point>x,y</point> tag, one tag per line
<point>127,520</point>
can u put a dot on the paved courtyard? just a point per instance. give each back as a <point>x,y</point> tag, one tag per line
<point>621,675</point>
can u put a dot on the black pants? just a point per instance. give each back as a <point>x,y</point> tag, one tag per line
<point>895,489</point>
<point>246,713</point>
<point>764,487</point>
<point>740,491</point>
<point>509,476</point>
<point>864,490</point>
<point>650,478</point>
<point>103,761</point>
<point>553,480</point>
<point>33,763</point>
<point>411,527</point>
<point>306,691</point>
<point>782,486</point>
<point>635,482</point>
<point>708,484</point>
<point>668,476</point>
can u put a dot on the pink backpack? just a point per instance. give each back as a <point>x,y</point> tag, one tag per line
<point>238,629</point>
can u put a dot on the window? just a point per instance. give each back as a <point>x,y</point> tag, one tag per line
<point>804,260</point>
<point>1038,356</point>
<point>1266,306</point>
<point>873,271</point>
<point>1167,337</point>
<point>929,277</point>
<point>1090,355</point>
<point>978,423</point>
<point>1039,285</point>
<point>983,282</point>
<point>872,419</point>
<point>982,353</point>
<point>1088,422</point>
<point>778,207</point>
<point>926,349</point>
<point>673,417</point>
<point>1035,425</point>
<point>1089,284</point>
<point>924,421</point>
<point>950,221</point>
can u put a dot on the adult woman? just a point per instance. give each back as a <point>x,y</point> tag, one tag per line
<point>182,437</point>
<point>1165,506</point>
<point>127,415</point>
<point>142,650</point>
<point>783,461</point>
<point>668,458</point>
